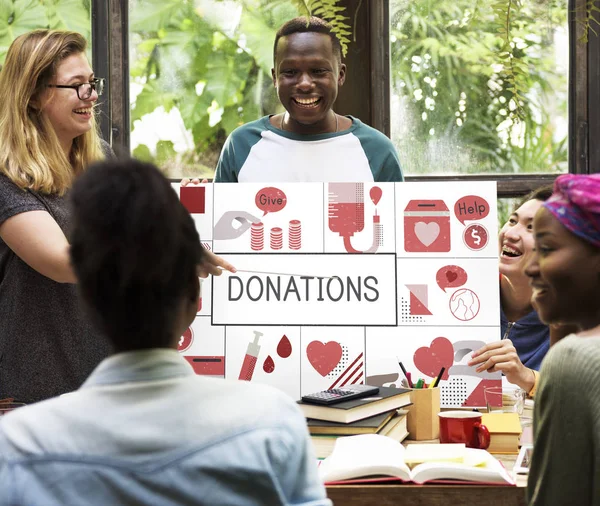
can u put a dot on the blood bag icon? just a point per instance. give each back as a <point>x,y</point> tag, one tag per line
<point>426,226</point>
<point>346,208</point>
<point>346,212</point>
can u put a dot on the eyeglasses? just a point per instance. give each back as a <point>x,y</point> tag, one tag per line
<point>84,90</point>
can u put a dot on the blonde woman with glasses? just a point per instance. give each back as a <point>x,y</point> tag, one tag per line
<point>48,136</point>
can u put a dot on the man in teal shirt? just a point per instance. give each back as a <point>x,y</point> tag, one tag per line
<point>310,141</point>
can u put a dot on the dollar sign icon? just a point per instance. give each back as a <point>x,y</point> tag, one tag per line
<point>475,237</point>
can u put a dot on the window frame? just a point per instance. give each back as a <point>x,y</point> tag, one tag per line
<point>368,74</point>
<point>110,59</point>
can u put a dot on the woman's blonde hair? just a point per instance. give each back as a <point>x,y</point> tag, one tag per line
<point>30,153</point>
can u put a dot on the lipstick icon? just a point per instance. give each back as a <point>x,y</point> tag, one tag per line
<point>249,364</point>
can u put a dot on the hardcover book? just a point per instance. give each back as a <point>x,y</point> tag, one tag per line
<point>369,425</point>
<point>387,399</point>
<point>394,428</point>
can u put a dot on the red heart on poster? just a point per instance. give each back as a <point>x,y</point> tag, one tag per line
<point>431,360</point>
<point>324,357</point>
<point>451,276</point>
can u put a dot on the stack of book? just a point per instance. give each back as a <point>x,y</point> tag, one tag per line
<point>371,415</point>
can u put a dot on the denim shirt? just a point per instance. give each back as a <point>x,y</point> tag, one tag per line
<point>144,429</point>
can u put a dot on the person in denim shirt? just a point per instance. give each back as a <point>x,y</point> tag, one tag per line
<point>143,428</point>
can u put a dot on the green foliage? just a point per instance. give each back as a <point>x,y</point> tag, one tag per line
<point>515,71</point>
<point>505,208</point>
<point>455,95</point>
<point>213,63</point>
<point>333,13</point>
<point>591,18</point>
<point>185,59</point>
<point>20,16</point>
<point>142,152</point>
<point>329,10</point>
<point>69,15</point>
<point>473,78</point>
<point>165,152</point>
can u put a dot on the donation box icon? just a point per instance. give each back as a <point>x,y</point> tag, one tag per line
<point>426,226</point>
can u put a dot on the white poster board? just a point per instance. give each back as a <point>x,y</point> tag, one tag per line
<point>337,282</point>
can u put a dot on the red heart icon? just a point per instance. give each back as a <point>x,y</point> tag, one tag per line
<point>431,360</point>
<point>324,357</point>
<point>451,276</point>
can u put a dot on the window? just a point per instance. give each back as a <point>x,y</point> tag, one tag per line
<point>452,109</point>
<point>552,107</point>
<point>198,70</point>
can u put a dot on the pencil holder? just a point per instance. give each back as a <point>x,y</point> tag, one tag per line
<point>422,421</point>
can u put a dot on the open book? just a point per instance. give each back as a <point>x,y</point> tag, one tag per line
<point>369,455</point>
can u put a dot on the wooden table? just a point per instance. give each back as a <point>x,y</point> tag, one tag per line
<point>395,494</point>
<point>432,495</point>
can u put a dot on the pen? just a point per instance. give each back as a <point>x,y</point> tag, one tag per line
<point>439,377</point>
<point>419,383</point>
<point>281,274</point>
<point>406,375</point>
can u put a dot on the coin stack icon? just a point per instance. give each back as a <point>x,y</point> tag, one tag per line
<point>295,242</point>
<point>257,236</point>
<point>276,238</point>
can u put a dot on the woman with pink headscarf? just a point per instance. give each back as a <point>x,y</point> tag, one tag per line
<point>524,339</point>
<point>564,274</point>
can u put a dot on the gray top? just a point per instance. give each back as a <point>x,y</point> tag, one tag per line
<point>566,457</point>
<point>47,347</point>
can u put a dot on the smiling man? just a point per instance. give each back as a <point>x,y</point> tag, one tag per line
<point>309,141</point>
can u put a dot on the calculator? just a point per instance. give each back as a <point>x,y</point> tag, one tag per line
<point>341,394</point>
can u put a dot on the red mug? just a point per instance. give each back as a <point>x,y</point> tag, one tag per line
<point>464,427</point>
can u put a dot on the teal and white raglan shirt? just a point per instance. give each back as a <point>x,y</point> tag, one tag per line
<point>259,152</point>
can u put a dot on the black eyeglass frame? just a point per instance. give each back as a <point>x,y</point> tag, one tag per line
<point>95,84</point>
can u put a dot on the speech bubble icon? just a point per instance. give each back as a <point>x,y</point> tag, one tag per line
<point>451,276</point>
<point>270,200</point>
<point>471,208</point>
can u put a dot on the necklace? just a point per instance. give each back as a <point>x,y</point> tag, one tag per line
<point>337,124</point>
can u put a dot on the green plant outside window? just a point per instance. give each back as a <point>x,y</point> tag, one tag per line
<point>470,96</point>
<point>200,68</point>
<point>21,16</point>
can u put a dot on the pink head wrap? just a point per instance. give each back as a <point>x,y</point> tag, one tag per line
<point>576,204</point>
